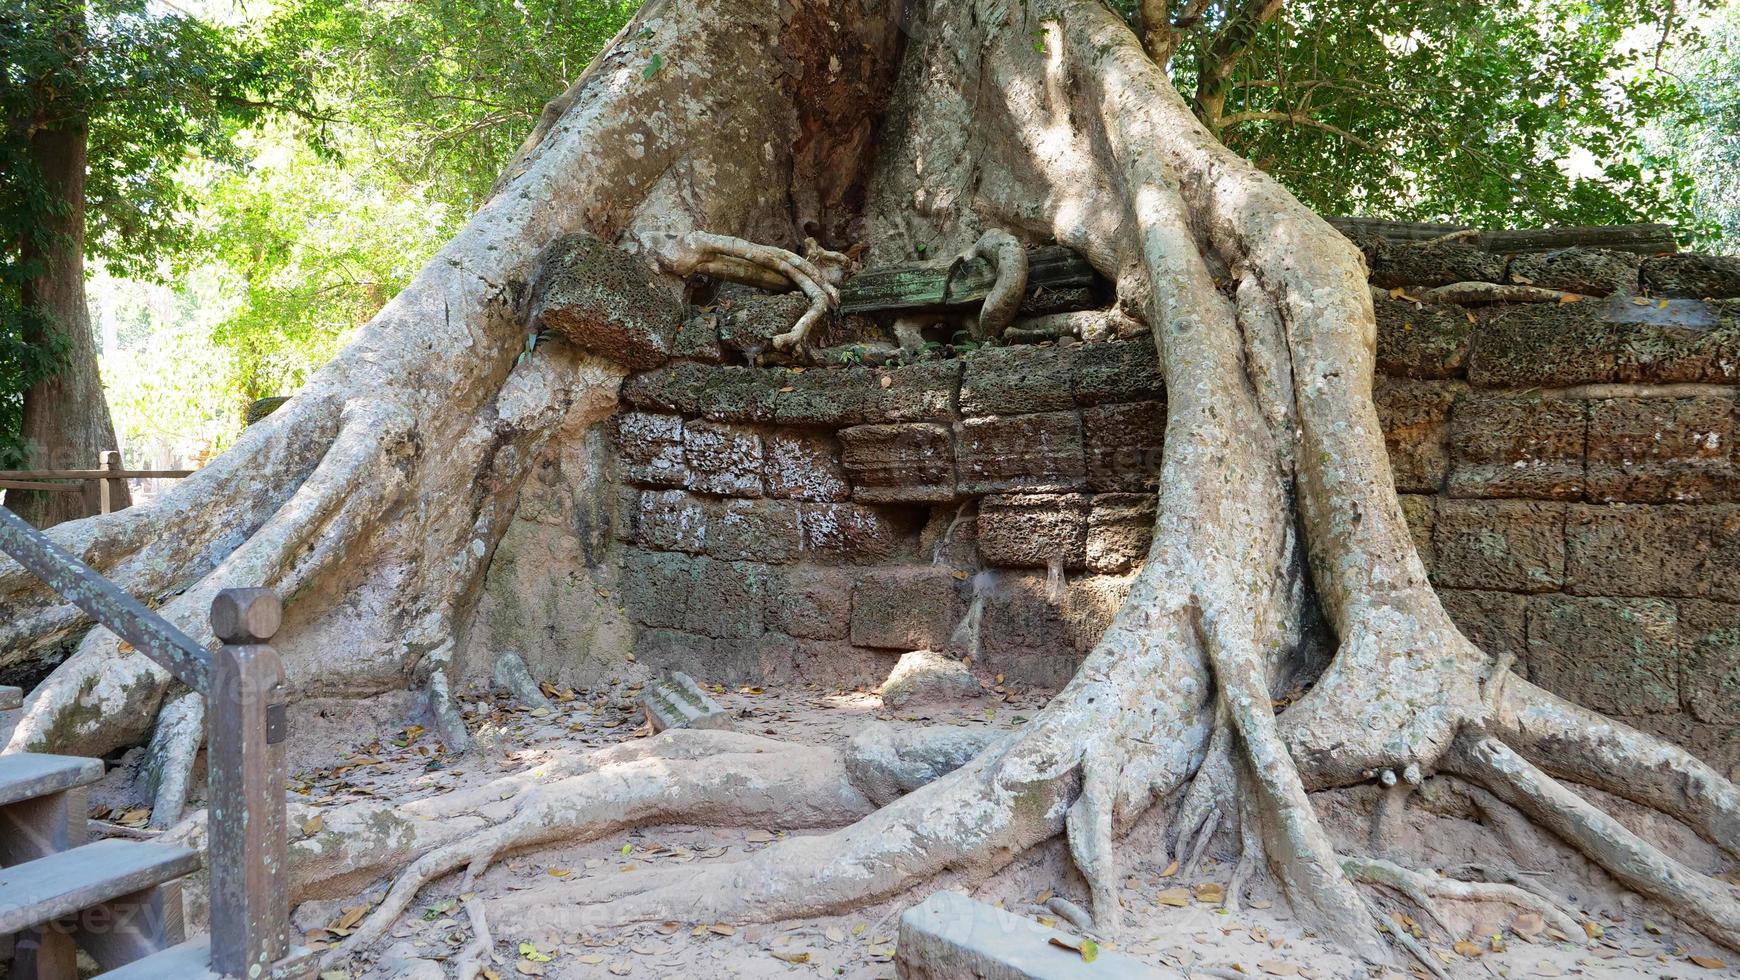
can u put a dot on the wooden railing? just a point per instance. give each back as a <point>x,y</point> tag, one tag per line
<point>243,682</point>
<point>107,477</point>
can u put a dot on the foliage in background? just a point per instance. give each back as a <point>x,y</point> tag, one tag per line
<point>1705,142</point>
<point>321,221</point>
<point>153,86</point>
<point>1502,115</point>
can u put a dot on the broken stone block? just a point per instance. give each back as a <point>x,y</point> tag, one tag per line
<point>811,603</point>
<point>908,608</point>
<point>1505,545</point>
<point>804,465</point>
<point>1662,449</point>
<point>1415,418</point>
<point>651,447</point>
<point>1117,371</point>
<point>1123,444</point>
<point>1618,656</point>
<point>902,463</point>
<point>723,459</point>
<point>1694,551</point>
<point>1017,380</point>
<point>1120,529</point>
<point>512,676</point>
<point>1021,454</point>
<point>1517,446</point>
<point>1692,275</point>
<point>1422,342</point>
<point>606,302</point>
<point>750,323</point>
<point>928,677</point>
<point>885,763</point>
<point>949,936</point>
<point>1590,271</point>
<point>678,702</point>
<point>11,698</point>
<point>1034,530</point>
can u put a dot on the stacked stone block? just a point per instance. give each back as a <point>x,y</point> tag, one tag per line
<point>1568,470</point>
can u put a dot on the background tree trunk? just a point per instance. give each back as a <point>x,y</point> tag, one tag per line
<point>66,417</point>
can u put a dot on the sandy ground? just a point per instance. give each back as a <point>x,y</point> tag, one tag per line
<point>343,752</point>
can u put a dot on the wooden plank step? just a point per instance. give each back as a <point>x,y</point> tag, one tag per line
<point>929,286</point>
<point>58,885</point>
<point>187,961</point>
<point>30,775</point>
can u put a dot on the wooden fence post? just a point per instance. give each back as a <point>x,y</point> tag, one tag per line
<point>250,895</point>
<point>109,489</point>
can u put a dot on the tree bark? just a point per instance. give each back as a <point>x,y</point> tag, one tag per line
<point>66,422</point>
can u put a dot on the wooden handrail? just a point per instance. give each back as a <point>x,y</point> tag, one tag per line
<point>95,474</point>
<point>243,682</point>
<point>106,603</point>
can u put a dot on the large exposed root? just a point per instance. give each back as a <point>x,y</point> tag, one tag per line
<point>1706,904</point>
<point>1426,891</point>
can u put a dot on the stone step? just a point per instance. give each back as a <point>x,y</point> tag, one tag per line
<point>30,775</point>
<point>58,885</point>
<point>949,935</point>
<point>679,702</point>
<point>187,961</point>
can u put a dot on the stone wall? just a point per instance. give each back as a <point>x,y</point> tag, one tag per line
<point>1568,468</point>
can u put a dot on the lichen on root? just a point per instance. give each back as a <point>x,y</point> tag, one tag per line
<point>1280,556</point>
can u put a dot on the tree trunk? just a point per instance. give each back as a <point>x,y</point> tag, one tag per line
<point>375,497</point>
<point>66,416</point>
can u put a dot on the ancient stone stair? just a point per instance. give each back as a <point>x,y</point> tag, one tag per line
<point>679,702</point>
<point>118,900</point>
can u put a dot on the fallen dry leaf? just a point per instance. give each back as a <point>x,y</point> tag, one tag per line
<point>1529,924</point>
<point>1709,962</point>
<point>722,929</point>
<point>792,957</point>
<point>1278,968</point>
<point>1176,897</point>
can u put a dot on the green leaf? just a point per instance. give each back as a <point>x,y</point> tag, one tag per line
<point>1090,951</point>
<point>653,65</point>
<point>530,952</point>
<point>627,848</point>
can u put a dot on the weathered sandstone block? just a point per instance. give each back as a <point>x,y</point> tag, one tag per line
<point>900,463</point>
<point>1034,530</point>
<point>1021,453</point>
<point>606,302</point>
<point>1518,446</point>
<point>1508,545</point>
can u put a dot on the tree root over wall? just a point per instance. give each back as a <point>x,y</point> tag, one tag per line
<point>1280,554</point>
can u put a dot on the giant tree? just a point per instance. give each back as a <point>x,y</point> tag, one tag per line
<point>716,136</point>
